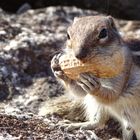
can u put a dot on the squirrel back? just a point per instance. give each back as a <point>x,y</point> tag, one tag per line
<point>134,46</point>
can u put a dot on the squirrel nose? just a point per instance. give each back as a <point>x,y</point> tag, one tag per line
<point>81,55</point>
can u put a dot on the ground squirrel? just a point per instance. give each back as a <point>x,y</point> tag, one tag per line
<point>97,36</point>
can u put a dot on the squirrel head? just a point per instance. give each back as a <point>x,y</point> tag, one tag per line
<point>91,36</point>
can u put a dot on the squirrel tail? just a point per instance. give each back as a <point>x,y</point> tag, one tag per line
<point>64,107</point>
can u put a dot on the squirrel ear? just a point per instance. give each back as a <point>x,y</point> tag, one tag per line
<point>111,22</point>
<point>75,19</point>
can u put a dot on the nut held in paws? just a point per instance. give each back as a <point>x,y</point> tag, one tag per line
<point>100,67</point>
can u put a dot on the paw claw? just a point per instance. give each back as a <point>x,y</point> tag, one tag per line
<point>66,127</point>
<point>89,82</point>
<point>83,128</point>
<point>58,72</point>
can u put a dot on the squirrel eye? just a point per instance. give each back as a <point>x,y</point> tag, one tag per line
<point>103,33</point>
<point>68,36</point>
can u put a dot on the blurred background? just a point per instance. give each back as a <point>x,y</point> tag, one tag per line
<point>125,9</point>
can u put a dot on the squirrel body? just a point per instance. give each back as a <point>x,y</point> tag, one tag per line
<point>94,37</point>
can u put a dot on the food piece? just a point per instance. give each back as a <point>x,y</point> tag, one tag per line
<point>100,67</point>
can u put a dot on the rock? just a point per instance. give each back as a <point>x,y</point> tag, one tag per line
<point>126,9</point>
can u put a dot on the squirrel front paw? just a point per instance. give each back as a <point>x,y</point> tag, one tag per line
<point>89,82</point>
<point>58,72</point>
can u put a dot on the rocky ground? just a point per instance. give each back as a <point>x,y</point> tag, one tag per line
<point>28,41</point>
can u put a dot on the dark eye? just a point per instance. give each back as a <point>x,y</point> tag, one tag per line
<point>103,33</point>
<point>68,36</point>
